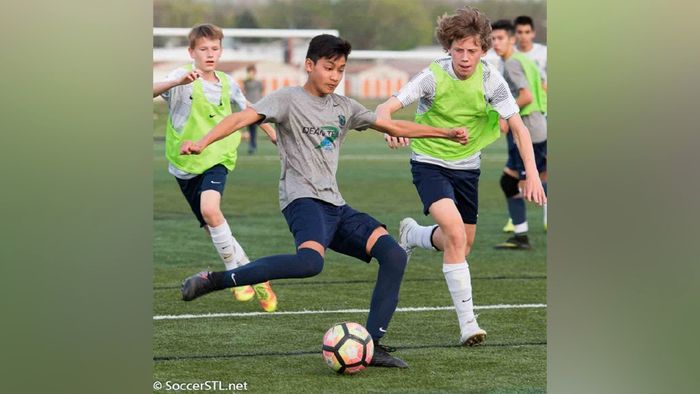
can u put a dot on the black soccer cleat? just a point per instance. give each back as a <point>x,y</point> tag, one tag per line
<point>516,242</point>
<point>382,358</point>
<point>196,286</point>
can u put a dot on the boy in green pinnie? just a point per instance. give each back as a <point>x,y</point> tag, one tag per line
<point>198,98</point>
<point>457,89</point>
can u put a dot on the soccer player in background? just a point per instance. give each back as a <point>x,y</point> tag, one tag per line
<point>525,85</point>
<point>198,98</point>
<point>525,35</point>
<point>312,122</point>
<point>455,90</point>
<point>253,89</point>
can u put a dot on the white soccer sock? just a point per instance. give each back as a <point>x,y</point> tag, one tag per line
<point>460,285</point>
<point>240,257</point>
<point>545,215</point>
<point>223,241</point>
<point>520,228</point>
<point>420,236</point>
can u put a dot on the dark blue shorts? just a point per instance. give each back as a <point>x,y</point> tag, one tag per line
<point>435,183</point>
<point>516,163</point>
<point>341,229</point>
<point>211,179</point>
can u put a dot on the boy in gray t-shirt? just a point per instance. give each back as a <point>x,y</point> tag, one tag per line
<point>312,122</point>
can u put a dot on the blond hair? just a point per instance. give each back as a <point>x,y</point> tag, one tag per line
<point>205,30</point>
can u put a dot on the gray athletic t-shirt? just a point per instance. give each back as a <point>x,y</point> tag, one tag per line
<point>310,131</point>
<point>535,122</point>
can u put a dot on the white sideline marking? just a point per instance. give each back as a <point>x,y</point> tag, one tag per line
<point>491,157</point>
<point>306,312</point>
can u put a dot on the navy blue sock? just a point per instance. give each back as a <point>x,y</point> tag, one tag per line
<point>307,262</point>
<point>516,210</point>
<point>392,263</point>
<point>544,186</point>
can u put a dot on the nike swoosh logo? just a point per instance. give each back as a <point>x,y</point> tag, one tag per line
<point>216,183</point>
<point>467,300</point>
<point>335,105</point>
<point>233,278</point>
<point>211,116</point>
<point>381,329</point>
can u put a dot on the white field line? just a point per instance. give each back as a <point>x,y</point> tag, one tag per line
<point>498,157</point>
<point>307,312</point>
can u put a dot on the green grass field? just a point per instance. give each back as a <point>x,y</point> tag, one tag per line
<point>281,353</point>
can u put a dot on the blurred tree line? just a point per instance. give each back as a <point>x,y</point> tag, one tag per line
<point>367,24</point>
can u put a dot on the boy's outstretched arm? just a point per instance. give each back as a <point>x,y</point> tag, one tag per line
<point>404,128</point>
<point>384,111</point>
<point>162,87</point>
<point>223,129</point>
<point>532,187</point>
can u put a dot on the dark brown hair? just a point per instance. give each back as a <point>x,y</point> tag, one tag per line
<point>466,22</point>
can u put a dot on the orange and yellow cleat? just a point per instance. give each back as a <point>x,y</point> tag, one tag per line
<point>243,293</point>
<point>267,297</point>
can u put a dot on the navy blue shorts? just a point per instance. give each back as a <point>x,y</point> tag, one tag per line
<point>515,163</point>
<point>211,179</point>
<point>435,183</point>
<point>341,229</point>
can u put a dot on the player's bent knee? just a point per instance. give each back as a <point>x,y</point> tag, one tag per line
<point>310,262</point>
<point>455,237</point>
<point>374,237</point>
<point>509,185</point>
<point>209,212</point>
<point>397,256</point>
<point>213,219</point>
<point>389,253</point>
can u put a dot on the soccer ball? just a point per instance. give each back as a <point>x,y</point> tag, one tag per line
<point>347,348</point>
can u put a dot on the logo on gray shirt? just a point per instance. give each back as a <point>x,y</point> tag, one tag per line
<point>329,133</point>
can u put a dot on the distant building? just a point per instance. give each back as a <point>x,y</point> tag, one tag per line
<point>373,81</point>
<point>364,80</point>
<point>273,75</point>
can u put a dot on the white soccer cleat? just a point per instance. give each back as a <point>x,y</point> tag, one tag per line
<point>472,334</point>
<point>406,225</point>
